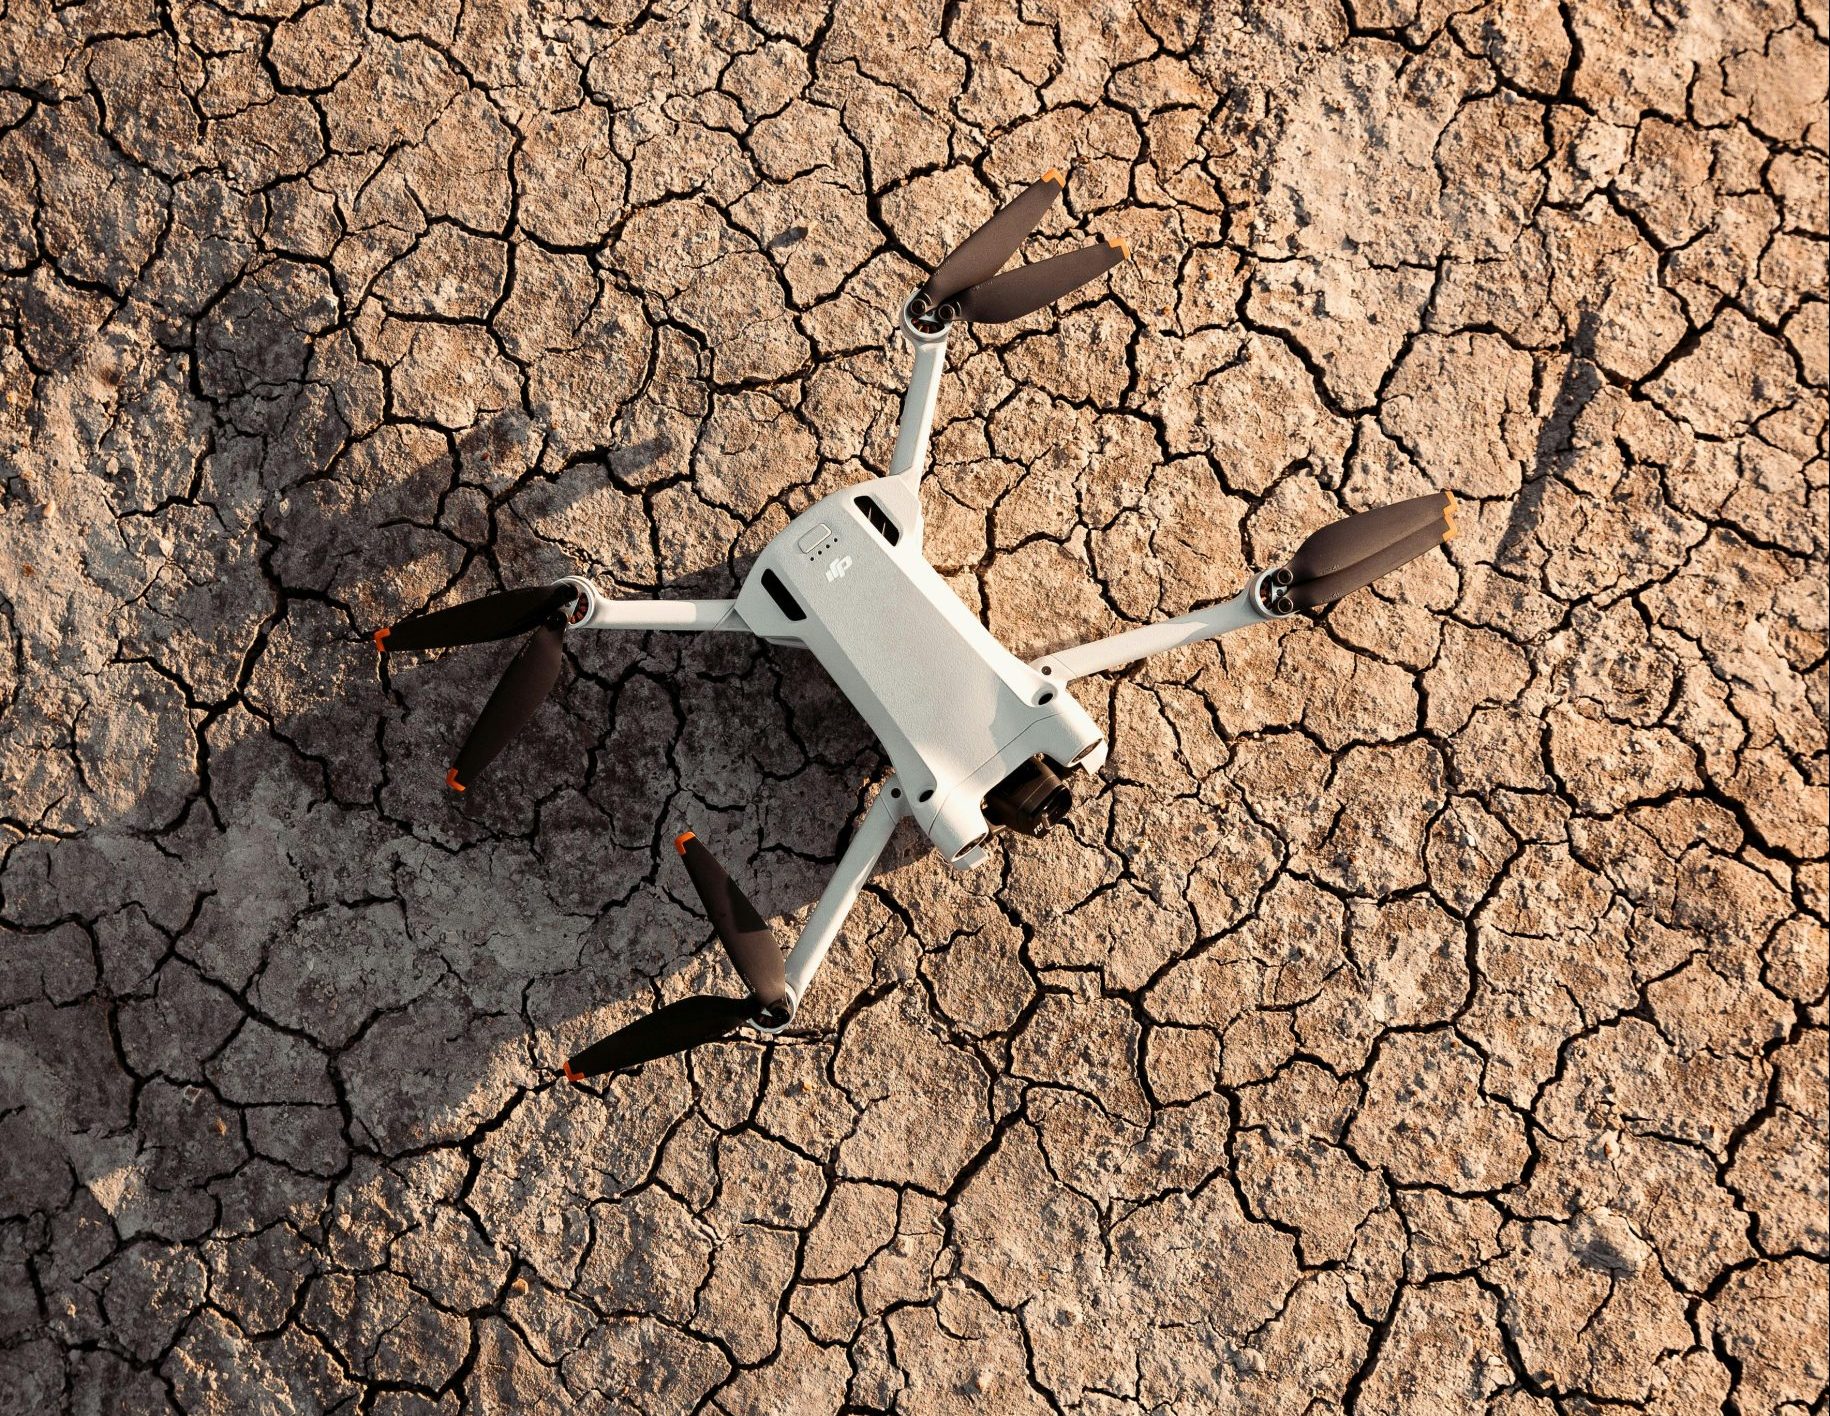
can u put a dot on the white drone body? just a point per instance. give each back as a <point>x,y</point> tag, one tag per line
<point>956,712</point>
<point>977,738</point>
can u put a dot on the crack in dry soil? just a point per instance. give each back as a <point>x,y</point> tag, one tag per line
<point>1425,1013</point>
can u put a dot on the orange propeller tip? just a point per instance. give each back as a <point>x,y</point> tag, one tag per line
<point>1054,174</point>
<point>452,781</point>
<point>381,640</point>
<point>570,1075</point>
<point>681,840</point>
<point>1122,246</point>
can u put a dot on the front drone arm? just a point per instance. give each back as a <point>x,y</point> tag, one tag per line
<point>966,285</point>
<point>841,892</point>
<point>1262,600</point>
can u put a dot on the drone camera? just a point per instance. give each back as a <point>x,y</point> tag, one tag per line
<point>1031,799</point>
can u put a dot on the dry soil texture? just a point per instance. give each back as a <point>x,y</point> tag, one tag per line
<point>1425,1012</point>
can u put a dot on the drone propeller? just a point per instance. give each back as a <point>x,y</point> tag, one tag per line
<point>1022,291</point>
<point>983,253</point>
<point>702,1018</point>
<point>969,280</point>
<point>749,942</point>
<point>499,616</point>
<point>1347,554</point>
<point>526,682</point>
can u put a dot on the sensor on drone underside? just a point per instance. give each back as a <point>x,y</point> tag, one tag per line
<point>955,710</point>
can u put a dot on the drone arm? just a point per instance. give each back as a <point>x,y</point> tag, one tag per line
<point>911,454</point>
<point>1246,608</point>
<point>841,891</point>
<point>600,612</point>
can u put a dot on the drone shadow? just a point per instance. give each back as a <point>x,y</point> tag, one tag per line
<point>374,957</point>
<point>750,745</point>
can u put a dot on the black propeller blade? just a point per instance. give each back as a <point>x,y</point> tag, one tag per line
<point>1347,554</point>
<point>702,1018</point>
<point>750,943</point>
<point>676,1028</point>
<point>981,254</point>
<point>499,616</point>
<point>1022,291</point>
<point>523,687</point>
<point>526,682</point>
<point>968,280</point>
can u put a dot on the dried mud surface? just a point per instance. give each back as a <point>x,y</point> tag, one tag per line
<point>1425,1013</point>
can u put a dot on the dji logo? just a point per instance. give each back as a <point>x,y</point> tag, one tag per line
<point>838,567</point>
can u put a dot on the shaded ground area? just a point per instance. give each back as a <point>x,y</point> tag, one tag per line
<point>1425,1013</point>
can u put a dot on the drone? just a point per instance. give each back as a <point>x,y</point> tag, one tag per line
<point>978,740</point>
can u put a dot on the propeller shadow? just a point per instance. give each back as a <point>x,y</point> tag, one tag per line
<point>1581,382</point>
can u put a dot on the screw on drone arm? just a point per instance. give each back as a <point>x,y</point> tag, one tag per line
<point>1272,592</point>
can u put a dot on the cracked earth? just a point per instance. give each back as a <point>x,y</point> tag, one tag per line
<point>1424,1013</point>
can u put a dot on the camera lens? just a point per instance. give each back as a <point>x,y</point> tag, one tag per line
<point>1031,799</point>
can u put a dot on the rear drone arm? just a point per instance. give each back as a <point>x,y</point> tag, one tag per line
<point>1262,600</point>
<point>930,348</point>
<point>1334,561</point>
<point>599,612</point>
<point>841,892</point>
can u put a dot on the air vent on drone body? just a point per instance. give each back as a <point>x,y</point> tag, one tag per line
<point>778,592</point>
<point>879,519</point>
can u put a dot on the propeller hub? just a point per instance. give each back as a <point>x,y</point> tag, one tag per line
<point>923,321</point>
<point>774,1017</point>
<point>585,605</point>
<point>1270,593</point>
